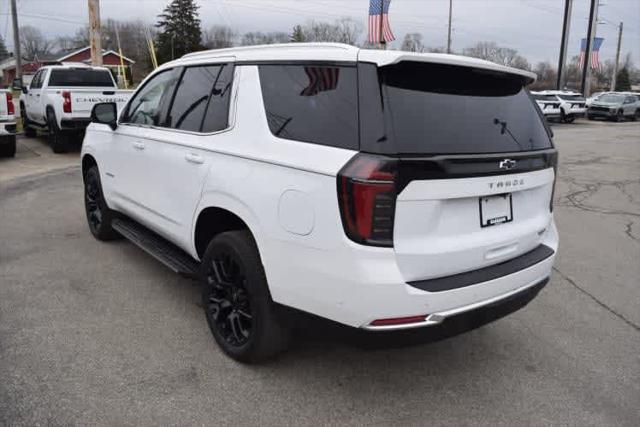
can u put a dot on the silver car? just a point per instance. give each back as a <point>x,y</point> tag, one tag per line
<point>615,106</point>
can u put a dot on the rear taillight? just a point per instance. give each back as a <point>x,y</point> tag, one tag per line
<point>367,198</point>
<point>66,104</point>
<point>11,110</point>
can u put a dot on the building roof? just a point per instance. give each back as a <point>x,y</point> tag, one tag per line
<point>65,54</point>
<point>336,52</point>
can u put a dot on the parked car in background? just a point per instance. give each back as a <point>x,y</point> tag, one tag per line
<point>615,106</point>
<point>330,179</point>
<point>593,97</point>
<point>59,99</point>
<point>572,104</point>
<point>549,105</point>
<point>7,124</point>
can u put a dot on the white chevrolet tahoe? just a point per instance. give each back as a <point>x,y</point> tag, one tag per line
<point>382,190</point>
<point>59,99</point>
<point>7,124</point>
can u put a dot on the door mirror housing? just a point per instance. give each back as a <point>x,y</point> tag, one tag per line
<point>105,113</point>
<point>16,84</point>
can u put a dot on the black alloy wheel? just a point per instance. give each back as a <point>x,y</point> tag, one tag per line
<point>99,215</point>
<point>228,308</point>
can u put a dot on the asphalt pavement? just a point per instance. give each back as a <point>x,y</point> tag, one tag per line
<point>94,332</point>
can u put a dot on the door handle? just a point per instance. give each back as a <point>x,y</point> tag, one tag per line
<point>38,95</point>
<point>194,158</point>
<point>138,145</point>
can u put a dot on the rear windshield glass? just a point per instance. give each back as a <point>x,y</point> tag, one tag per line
<point>544,97</point>
<point>445,109</point>
<point>571,97</point>
<point>79,77</point>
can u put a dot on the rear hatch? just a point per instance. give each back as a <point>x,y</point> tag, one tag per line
<point>473,164</point>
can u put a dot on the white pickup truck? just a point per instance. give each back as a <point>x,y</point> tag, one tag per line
<point>60,98</point>
<point>7,124</point>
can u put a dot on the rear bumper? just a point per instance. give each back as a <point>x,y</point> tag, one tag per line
<point>7,127</point>
<point>365,284</point>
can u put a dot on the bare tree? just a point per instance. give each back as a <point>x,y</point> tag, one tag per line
<point>490,51</point>
<point>33,42</point>
<point>412,43</point>
<point>219,36</point>
<point>344,30</point>
<point>258,37</point>
<point>547,76</point>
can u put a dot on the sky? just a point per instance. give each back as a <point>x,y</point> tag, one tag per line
<point>533,27</point>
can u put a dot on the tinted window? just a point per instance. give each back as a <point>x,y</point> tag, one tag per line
<point>202,96</point>
<point>37,80</point>
<point>611,97</point>
<point>216,116</point>
<point>421,108</point>
<point>80,77</point>
<point>544,97</point>
<point>147,104</point>
<point>313,103</point>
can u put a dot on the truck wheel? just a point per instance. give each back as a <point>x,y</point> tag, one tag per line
<point>29,132</point>
<point>99,215</point>
<point>58,140</point>
<point>8,146</point>
<point>236,299</point>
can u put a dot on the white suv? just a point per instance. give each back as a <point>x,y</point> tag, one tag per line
<point>383,190</point>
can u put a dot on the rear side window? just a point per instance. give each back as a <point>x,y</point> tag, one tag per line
<point>201,102</point>
<point>79,77</point>
<point>426,108</point>
<point>312,103</point>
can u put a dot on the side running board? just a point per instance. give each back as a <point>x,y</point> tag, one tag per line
<point>164,251</point>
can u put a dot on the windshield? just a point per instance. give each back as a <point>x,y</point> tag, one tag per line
<point>610,97</point>
<point>80,77</point>
<point>431,108</point>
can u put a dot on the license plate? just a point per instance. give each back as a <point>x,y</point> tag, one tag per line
<point>495,210</point>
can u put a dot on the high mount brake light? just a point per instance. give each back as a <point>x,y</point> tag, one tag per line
<point>10,107</point>
<point>66,105</point>
<point>367,198</point>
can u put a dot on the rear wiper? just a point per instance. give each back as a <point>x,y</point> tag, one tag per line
<point>504,128</point>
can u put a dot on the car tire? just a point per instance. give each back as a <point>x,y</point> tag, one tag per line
<point>99,216</point>
<point>619,116</point>
<point>636,116</point>
<point>58,140</point>
<point>590,117</point>
<point>8,146</point>
<point>29,131</point>
<point>236,299</point>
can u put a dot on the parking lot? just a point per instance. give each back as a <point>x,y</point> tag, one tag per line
<point>102,333</point>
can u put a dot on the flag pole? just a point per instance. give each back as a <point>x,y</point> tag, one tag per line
<point>383,44</point>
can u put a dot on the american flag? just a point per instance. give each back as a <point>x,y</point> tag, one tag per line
<point>595,52</point>
<point>321,79</point>
<point>379,10</point>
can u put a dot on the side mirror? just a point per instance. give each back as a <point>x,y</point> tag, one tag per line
<point>17,84</point>
<point>105,113</point>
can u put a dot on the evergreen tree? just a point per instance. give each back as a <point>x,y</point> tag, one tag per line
<point>623,82</point>
<point>3,49</point>
<point>298,35</point>
<point>179,30</point>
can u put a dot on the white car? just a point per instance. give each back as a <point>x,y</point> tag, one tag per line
<point>59,99</point>
<point>7,124</point>
<point>330,179</point>
<point>571,104</point>
<point>549,105</point>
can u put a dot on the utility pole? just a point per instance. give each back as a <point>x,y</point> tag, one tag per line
<point>615,66</point>
<point>94,32</point>
<point>591,33</point>
<point>16,40</point>
<point>566,26</point>
<point>449,34</point>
